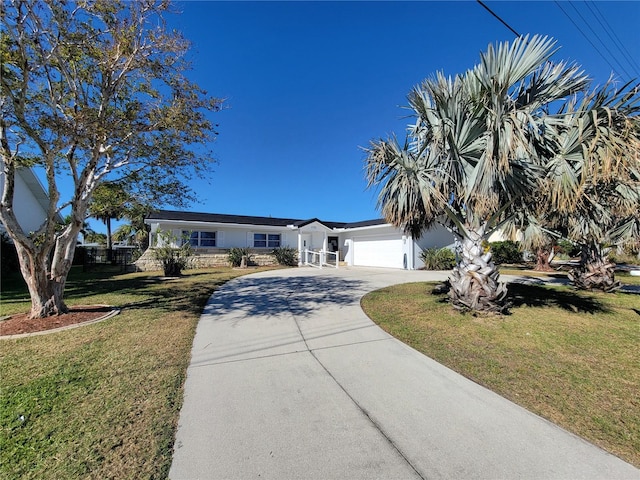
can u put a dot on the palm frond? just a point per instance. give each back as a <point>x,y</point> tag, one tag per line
<point>484,149</point>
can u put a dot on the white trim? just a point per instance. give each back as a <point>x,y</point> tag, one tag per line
<point>216,224</point>
<point>368,227</point>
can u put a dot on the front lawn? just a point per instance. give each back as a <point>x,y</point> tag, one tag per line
<point>570,357</point>
<point>101,401</point>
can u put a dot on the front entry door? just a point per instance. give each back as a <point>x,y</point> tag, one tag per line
<point>332,244</point>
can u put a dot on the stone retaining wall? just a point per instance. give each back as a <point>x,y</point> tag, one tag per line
<point>203,258</point>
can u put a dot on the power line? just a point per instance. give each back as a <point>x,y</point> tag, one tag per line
<point>585,36</point>
<point>618,45</point>
<point>597,36</point>
<point>595,11</point>
<point>500,19</point>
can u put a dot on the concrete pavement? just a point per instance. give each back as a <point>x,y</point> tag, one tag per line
<point>290,380</point>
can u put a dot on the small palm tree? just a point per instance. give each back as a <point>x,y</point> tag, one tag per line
<point>594,179</point>
<point>474,156</point>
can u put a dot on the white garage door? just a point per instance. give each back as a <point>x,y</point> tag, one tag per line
<point>380,251</point>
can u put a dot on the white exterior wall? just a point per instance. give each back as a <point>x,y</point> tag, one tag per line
<point>229,236</point>
<point>232,238</point>
<point>437,237</point>
<point>28,210</point>
<point>315,240</point>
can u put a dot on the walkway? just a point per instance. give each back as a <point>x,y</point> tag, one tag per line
<point>290,380</point>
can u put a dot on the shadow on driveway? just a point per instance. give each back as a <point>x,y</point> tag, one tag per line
<point>272,296</point>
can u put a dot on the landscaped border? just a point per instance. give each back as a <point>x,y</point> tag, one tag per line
<point>114,311</point>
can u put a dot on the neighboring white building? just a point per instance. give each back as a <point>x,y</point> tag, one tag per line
<point>372,243</point>
<point>30,201</point>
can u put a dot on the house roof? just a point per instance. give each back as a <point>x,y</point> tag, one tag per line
<point>302,223</point>
<point>250,220</point>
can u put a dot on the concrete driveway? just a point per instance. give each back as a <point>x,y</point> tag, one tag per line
<point>289,379</point>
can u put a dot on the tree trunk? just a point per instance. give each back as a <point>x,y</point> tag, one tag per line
<point>474,281</point>
<point>46,274</point>
<point>543,259</point>
<point>45,292</point>
<point>594,272</point>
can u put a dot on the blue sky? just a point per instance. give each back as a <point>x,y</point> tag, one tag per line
<point>307,84</point>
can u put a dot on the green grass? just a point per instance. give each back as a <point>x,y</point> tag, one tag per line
<point>570,357</point>
<point>101,401</point>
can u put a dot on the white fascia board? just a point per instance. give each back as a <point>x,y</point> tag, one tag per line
<point>370,227</point>
<point>192,225</point>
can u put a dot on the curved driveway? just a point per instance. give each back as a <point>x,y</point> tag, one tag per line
<point>289,379</point>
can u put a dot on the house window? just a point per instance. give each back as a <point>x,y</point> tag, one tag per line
<point>202,239</point>
<point>266,240</point>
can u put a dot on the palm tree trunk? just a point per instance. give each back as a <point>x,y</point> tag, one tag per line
<point>107,222</point>
<point>595,272</point>
<point>474,281</point>
<point>543,259</point>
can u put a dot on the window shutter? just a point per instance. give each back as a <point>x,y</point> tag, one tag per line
<point>219,239</point>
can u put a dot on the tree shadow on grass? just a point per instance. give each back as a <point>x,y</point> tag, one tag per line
<point>153,291</point>
<point>537,296</point>
<point>111,285</point>
<point>170,299</point>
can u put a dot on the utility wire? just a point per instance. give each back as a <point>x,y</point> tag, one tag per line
<point>621,67</point>
<point>595,11</point>
<point>500,19</point>
<point>585,36</point>
<point>615,59</point>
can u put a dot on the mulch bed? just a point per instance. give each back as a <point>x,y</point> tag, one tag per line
<point>20,323</point>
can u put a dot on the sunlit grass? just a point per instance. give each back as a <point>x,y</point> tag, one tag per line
<point>101,401</point>
<point>570,357</point>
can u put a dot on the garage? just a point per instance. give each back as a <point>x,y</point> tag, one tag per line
<point>378,251</point>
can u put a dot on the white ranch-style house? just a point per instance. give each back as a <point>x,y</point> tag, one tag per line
<point>371,243</point>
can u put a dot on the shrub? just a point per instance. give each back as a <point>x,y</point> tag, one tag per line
<point>507,251</point>
<point>173,259</point>
<point>568,248</point>
<point>236,254</point>
<point>286,256</point>
<point>624,256</point>
<point>438,259</point>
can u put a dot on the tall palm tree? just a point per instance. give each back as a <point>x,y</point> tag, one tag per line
<point>110,201</point>
<point>474,155</point>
